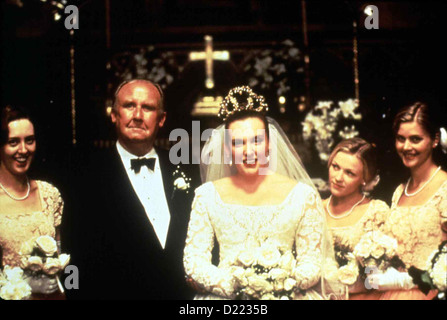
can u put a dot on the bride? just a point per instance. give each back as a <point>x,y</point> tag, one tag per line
<point>256,193</point>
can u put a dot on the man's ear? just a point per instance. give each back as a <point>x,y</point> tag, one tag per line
<point>113,115</point>
<point>162,119</point>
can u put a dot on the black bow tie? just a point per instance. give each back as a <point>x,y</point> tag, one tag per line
<point>136,164</point>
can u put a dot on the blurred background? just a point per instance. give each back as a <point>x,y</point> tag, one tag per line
<point>297,54</point>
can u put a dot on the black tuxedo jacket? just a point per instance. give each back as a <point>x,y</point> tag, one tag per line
<point>112,241</point>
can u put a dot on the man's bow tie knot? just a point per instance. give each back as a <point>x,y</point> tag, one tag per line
<point>136,164</point>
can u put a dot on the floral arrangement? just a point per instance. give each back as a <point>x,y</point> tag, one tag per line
<point>266,273</point>
<point>435,275</point>
<point>181,182</point>
<point>274,69</point>
<point>12,284</point>
<point>348,270</point>
<point>321,124</point>
<point>40,256</point>
<point>377,250</point>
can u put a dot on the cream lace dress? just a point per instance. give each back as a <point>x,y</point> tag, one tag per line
<point>296,223</point>
<point>17,228</point>
<point>349,236</point>
<point>418,232</point>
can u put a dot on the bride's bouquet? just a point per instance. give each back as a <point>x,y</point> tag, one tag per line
<point>12,284</point>
<point>266,273</point>
<point>376,250</point>
<point>40,256</point>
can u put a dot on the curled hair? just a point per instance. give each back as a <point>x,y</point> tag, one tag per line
<point>9,114</point>
<point>363,150</point>
<point>420,113</point>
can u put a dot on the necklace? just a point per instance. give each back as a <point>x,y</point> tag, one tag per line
<point>423,186</point>
<point>15,198</point>
<point>347,213</point>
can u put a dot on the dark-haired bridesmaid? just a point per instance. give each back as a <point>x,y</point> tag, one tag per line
<point>419,207</point>
<point>28,208</point>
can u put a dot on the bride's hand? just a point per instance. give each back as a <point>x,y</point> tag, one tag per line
<point>42,284</point>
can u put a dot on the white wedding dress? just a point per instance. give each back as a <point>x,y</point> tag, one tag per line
<point>295,224</point>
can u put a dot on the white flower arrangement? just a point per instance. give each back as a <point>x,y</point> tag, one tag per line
<point>376,249</point>
<point>40,255</point>
<point>435,275</point>
<point>12,284</point>
<point>266,273</point>
<point>321,123</point>
<point>181,182</point>
<point>347,271</point>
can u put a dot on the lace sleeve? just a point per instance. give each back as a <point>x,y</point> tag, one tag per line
<point>442,207</point>
<point>197,254</point>
<point>308,243</point>
<point>54,205</point>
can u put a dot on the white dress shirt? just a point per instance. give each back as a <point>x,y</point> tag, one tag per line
<point>149,188</point>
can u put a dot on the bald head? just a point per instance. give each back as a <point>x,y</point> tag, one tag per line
<point>141,82</point>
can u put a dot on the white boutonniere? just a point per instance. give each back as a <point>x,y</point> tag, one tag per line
<point>181,182</point>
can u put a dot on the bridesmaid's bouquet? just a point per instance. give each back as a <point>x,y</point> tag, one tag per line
<point>348,270</point>
<point>376,250</point>
<point>12,284</point>
<point>435,275</point>
<point>40,256</point>
<point>266,273</point>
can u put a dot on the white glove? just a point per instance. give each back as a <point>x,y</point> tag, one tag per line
<point>42,283</point>
<point>391,280</point>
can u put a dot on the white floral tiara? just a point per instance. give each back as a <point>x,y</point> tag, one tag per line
<point>241,99</point>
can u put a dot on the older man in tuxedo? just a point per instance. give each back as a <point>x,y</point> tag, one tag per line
<point>128,224</point>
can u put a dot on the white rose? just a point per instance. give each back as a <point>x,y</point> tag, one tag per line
<point>268,256</point>
<point>348,274</point>
<point>287,261</point>
<point>258,283</point>
<point>284,298</point>
<point>13,274</point>
<point>278,285</point>
<point>15,291</point>
<point>181,184</point>
<point>439,273</point>
<point>268,296</point>
<point>47,244</point>
<point>289,284</point>
<point>34,263</point>
<point>278,274</point>
<point>64,260</point>
<point>52,266</point>
<point>247,258</point>
<point>378,251</point>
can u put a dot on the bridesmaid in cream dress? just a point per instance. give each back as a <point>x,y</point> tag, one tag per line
<point>28,208</point>
<point>350,212</point>
<point>419,206</point>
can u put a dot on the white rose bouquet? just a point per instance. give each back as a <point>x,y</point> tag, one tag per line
<point>377,250</point>
<point>12,284</point>
<point>266,273</point>
<point>40,256</point>
<point>435,275</point>
<point>348,268</point>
